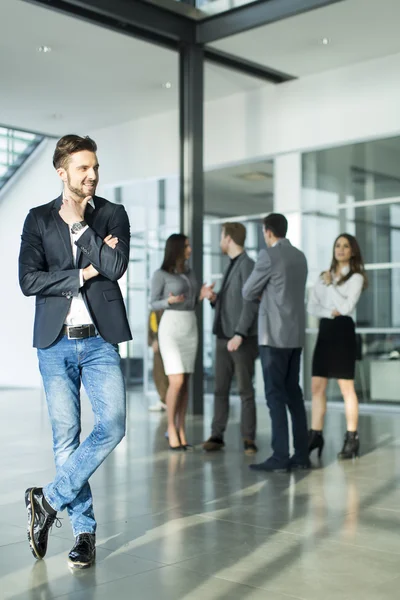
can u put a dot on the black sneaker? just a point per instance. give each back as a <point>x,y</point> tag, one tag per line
<point>83,554</point>
<point>249,447</point>
<point>39,522</point>
<point>213,444</point>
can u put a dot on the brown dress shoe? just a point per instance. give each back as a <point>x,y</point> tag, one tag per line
<point>213,444</point>
<point>249,447</point>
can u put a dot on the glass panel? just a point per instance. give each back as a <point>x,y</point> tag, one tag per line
<point>213,7</point>
<point>231,194</point>
<point>153,210</point>
<point>333,180</point>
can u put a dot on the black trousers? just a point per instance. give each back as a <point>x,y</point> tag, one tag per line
<point>281,370</point>
<point>241,364</point>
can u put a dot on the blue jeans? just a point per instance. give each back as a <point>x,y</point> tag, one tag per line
<point>281,370</point>
<point>63,367</point>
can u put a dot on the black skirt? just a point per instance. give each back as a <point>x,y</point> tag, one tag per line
<point>335,352</point>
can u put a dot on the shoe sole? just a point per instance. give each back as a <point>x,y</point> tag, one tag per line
<point>287,470</point>
<point>32,546</point>
<point>80,565</point>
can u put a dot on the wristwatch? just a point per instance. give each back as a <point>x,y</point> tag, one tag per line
<point>77,227</point>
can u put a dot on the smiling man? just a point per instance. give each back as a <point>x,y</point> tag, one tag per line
<point>73,251</point>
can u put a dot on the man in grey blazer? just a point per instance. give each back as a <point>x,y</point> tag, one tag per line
<point>279,280</point>
<point>235,326</point>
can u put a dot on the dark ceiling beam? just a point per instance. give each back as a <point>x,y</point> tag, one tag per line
<point>246,67</point>
<point>137,18</point>
<point>253,15</point>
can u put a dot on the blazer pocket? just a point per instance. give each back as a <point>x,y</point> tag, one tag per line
<point>40,300</point>
<point>111,295</point>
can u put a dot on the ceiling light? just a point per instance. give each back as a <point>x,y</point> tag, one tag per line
<point>255,176</point>
<point>44,49</point>
<point>325,41</point>
<point>167,85</point>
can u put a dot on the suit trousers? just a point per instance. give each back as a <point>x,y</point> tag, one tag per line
<point>281,370</point>
<point>241,364</point>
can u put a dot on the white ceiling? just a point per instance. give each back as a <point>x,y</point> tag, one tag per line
<point>358,30</point>
<point>92,78</point>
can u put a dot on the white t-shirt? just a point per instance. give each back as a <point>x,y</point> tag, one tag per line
<point>324,299</point>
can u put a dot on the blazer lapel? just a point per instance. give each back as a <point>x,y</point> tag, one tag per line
<point>235,266</point>
<point>63,229</point>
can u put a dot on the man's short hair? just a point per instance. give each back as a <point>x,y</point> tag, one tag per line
<point>277,224</point>
<point>68,145</point>
<point>236,231</point>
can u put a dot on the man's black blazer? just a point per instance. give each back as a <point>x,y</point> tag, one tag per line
<point>47,269</point>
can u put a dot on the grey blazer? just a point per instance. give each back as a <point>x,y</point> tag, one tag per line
<point>237,315</point>
<point>279,279</point>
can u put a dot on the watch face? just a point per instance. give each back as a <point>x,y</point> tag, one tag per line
<point>76,227</point>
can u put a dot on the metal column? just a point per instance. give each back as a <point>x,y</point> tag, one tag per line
<point>191,184</point>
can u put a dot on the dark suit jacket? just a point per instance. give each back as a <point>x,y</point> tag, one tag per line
<point>47,269</point>
<point>237,315</point>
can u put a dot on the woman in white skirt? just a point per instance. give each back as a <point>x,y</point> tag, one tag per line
<point>176,291</point>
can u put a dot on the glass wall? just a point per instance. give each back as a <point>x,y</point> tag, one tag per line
<point>153,210</point>
<point>356,189</point>
<point>240,193</point>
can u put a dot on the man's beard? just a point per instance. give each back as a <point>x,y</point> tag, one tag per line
<point>77,191</point>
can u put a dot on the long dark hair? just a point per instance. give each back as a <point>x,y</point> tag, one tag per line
<point>174,251</point>
<point>356,261</point>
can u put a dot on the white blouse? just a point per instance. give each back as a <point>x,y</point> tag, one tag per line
<point>324,299</point>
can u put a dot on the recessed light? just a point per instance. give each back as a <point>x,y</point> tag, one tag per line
<point>325,41</point>
<point>44,49</point>
<point>167,85</point>
<point>255,176</point>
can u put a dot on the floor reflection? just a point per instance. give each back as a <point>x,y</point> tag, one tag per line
<point>188,526</point>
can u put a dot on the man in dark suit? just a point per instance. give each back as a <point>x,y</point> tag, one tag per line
<point>73,251</point>
<point>279,279</point>
<point>235,326</point>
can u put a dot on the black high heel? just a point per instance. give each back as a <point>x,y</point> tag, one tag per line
<point>176,448</point>
<point>179,448</point>
<point>315,441</point>
<point>351,446</point>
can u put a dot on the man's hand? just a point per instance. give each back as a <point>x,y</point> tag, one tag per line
<point>336,313</point>
<point>89,272</point>
<point>111,241</point>
<point>206,291</point>
<point>176,299</point>
<point>235,343</point>
<point>213,298</point>
<point>72,211</point>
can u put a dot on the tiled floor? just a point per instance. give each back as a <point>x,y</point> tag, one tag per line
<point>194,526</point>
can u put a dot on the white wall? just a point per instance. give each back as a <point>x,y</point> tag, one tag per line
<point>352,104</point>
<point>39,184</point>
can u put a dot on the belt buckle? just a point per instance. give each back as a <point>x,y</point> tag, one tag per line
<point>76,337</point>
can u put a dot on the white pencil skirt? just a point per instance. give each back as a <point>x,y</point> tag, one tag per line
<point>178,340</point>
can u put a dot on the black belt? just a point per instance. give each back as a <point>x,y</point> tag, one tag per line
<point>79,333</point>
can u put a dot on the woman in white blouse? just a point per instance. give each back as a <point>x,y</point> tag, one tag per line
<point>334,299</point>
